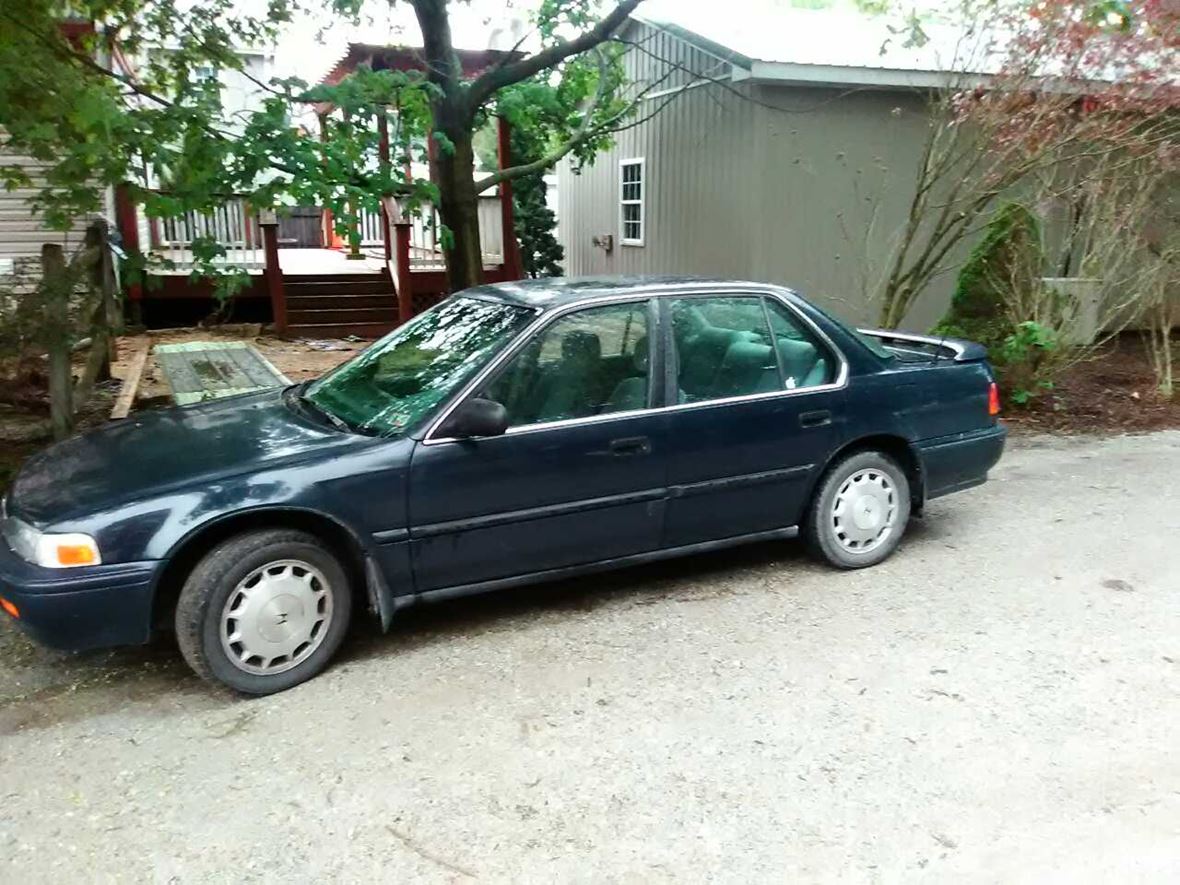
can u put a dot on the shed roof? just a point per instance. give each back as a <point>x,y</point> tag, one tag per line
<point>771,41</point>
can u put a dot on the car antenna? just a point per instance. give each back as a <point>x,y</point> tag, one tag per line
<point>941,345</point>
<point>938,348</point>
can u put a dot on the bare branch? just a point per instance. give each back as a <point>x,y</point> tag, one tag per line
<point>489,83</point>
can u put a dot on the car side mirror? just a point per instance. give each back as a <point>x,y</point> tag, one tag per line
<point>475,417</point>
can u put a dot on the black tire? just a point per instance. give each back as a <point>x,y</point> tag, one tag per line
<point>821,530</point>
<point>208,587</point>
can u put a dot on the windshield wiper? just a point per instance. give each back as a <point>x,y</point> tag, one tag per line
<point>336,421</point>
<point>312,406</point>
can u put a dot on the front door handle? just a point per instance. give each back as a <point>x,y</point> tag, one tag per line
<point>631,445</point>
<point>822,418</point>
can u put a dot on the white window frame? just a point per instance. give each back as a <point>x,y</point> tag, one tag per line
<point>624,240</point>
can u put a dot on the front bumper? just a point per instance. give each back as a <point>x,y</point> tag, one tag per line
<point>80,608</point>
<point>960,461</point>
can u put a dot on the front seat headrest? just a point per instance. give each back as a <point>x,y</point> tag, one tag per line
<point>580,344</point>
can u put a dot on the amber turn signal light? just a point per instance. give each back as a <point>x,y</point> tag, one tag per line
<point>75,554</point>
<point>9,607</point>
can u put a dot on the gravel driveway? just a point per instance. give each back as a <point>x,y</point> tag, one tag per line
<point>998,702</point>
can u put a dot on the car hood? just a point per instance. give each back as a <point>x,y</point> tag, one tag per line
<point>159,451</point>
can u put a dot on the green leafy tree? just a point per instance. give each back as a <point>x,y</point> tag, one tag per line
<point>127,101</point>
<point>541,254</point>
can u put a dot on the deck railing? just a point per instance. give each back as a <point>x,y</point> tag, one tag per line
<point>371,230</point>
<point>232,225</point>
<point>426,251</point>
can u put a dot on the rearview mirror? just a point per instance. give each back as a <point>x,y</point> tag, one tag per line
<point>476,417</point>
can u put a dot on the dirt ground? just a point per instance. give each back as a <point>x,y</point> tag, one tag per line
<point>1115,392</point>
<point>999,702</point>
<point>298,359</point>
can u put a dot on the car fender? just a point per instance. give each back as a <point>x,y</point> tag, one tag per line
<point>365,560</point>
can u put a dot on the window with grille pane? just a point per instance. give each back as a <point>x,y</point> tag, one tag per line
<point>631,199</point>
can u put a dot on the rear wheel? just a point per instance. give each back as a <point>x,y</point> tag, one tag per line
<point>263,611</point>
<point>860,510</point>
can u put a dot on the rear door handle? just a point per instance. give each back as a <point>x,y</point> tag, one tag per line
<point>821,418</point>
<point>631,445</point>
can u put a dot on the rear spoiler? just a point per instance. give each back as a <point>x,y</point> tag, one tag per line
<point>951,348</point>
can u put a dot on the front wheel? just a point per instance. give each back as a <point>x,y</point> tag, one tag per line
<point>263,611</point>
<point>860,511</point>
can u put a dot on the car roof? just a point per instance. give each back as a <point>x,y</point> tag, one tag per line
<point>552,292</point>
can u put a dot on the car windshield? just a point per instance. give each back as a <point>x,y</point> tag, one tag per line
<point>396,382</point>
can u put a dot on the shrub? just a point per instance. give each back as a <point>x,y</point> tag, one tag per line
<point>1026,360</point>
<point>1003,267</point>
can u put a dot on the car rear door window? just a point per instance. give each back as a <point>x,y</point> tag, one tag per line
<point>722,348</point>
<point>805,360</point>
<point>590,362</point>
<point>731,346</point>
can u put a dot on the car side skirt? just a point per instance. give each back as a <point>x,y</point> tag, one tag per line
<point>588,568</point>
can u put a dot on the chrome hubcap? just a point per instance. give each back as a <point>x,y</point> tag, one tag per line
<point>276,617</point>
<point>864,511</point>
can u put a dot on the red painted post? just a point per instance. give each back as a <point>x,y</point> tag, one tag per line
<point>327,223</point>
<point>405,293</point>
<point>513,267</point>
<point>127,220</point>
<point>274,273</point>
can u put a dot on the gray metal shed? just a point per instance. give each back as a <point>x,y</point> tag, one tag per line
<point>792,172</point>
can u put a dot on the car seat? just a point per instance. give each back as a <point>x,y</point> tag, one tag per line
<point>573,381</point>
<point>803,366</point>
<point>748,367</point>
<point>631,393</point>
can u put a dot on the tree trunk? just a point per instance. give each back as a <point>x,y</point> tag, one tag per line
<point>98,360</point>
<point>458,207</point>
<point>55,298</point>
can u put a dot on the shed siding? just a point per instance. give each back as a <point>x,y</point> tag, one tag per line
<point>797,185</point>
<point>697,151</point>
<point>838,172</point>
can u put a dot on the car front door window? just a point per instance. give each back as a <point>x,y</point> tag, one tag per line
<point>588,363</point>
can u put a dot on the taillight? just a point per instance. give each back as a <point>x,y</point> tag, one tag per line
<point>993,399</point>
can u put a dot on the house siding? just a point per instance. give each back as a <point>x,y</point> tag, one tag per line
<point>22,232</point>
<point>802,186</point>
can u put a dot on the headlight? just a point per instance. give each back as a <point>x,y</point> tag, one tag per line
<point>49,550</point>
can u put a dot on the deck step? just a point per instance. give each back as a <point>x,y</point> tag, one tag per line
<point>340,330</point>
<point>335,277</point>
<point>338,288</point>
<point>341,316</point>
<point>384,301</point>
